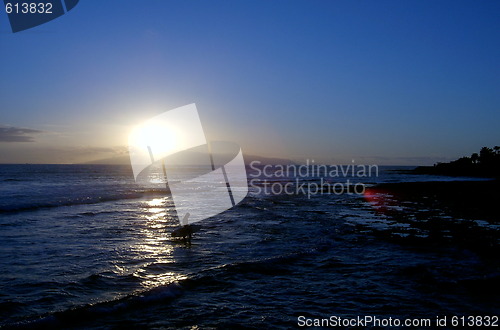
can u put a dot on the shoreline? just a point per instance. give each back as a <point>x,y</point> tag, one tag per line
<point>461,213</point>
<point>471,199</point>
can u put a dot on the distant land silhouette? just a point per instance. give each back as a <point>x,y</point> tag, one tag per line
<point>484,164</point>
<point>125,160</point>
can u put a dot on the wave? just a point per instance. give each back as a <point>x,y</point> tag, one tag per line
<point>215,277</point>
<point>81,314</point>
<point>14,180</point>
<point>81,200</point>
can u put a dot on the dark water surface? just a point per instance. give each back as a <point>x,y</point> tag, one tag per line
<point>85,246</point>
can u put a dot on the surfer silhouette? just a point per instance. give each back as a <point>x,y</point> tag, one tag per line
<point>185,231</point>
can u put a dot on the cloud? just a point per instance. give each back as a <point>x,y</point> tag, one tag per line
<point>17,134</point>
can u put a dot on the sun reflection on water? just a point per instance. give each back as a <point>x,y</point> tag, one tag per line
<point>153,250</point>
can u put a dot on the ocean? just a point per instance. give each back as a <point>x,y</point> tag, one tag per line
<point>84,246</point>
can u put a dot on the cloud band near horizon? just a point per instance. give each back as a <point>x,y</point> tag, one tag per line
<point>17,134</point>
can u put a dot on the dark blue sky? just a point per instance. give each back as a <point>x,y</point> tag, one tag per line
<point>387,82</point>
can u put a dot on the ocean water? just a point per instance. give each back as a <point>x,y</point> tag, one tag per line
<point>84,246</point>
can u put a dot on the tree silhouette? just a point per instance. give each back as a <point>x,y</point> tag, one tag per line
<point>486,163</point>
<point>485,155</point>
<point>474,157</point>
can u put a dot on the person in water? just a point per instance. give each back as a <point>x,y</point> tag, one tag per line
<point>185,231</point>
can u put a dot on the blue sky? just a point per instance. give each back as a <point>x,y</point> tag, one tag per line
<point>386,82</point>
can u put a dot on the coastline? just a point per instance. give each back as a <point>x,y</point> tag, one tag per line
<point>461,213</point>
<point>474,200</point>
